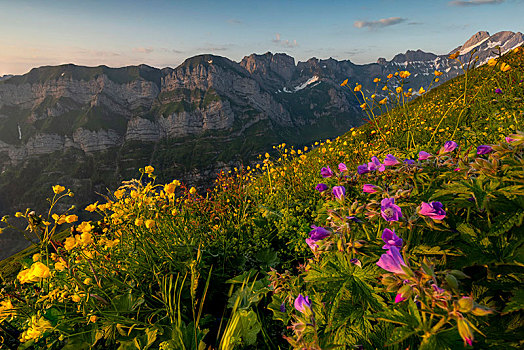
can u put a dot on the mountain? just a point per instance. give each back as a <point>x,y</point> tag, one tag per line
<point>4,77</point>
<point>89,128</point>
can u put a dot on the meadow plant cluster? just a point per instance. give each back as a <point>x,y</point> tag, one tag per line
<point>404,233</point>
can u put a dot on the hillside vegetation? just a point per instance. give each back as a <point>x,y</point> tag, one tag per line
<point>403,233</point>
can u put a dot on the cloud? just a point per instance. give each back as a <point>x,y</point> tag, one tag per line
<point>284,43</point>
<point>384,22</point>
<point>234,21</point>
<point>143,49</point>
<point>464,3</point>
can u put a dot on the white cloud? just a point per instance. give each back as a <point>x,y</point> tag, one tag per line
<point>284,43</point>
<point>143,49</point>
<point>384,22</point>
<point>474,2</point>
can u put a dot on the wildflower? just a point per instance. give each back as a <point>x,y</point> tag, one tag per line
<point>421,90</point>
<point>465,330</point>
<point>149,169</point>
<point>505,67</point>
<point>398,89</point>
<point>422,155</point>
<point>484,149</point>
<point>92,207</point>
<point>356,262</point>
<point>409,161</point>
<point>58,189</point>
<point>399,298</point>
<point>368,188</point>
<point>376,165</point>
<point>404,74</point>
<point>6,309</point>
<point>35,273</point>
<point>498,91</point>
<point>339,192</point>
<point>433,210</point>
<point>383,101</point>
<point>385,88</point>
<point>449,146</point>
<point>357,88</point>
<point>437,73</point>
<point>312,245</point>
<point>437,80</point>
<point>390,76</point>
<point>71,218</point>
<point>69,243</point>
<point>93,318</point>
<point>492,62</point>
<point>389,210</point>
<point>390,160</point>
<point>373,96</point>
<point>192,190</point>
<point>510,139</point>
<point>318,233</point>
<point>36,328</point>
<point>391,239</point>
<point>150,223</point>
<point>303,304</point>
<point>283,307</point>
<point>363,106</point>
<point>392,261</point>
<point>37,257</point>
<point>454,55</point>
<point>362,169</point>
<point>342,167</point>
<point>139,222</point>
<point>344,83</point>
<point>321,187</point>
<point>376,80</point>
<point>326,172</point>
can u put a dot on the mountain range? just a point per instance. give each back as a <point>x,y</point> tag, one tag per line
<point>88,128</point>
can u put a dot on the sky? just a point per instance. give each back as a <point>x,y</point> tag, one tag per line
<point>163,33</point>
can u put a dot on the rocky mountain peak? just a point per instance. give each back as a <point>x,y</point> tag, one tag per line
<point>476,39</point>
<point>265,64</point>
<point>413,56</point>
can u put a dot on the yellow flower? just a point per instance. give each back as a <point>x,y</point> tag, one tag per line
<point>192,190</point>
<point>36,272</point>
<point>76,298</point>
<point>505,67</point>
<point>169,188</point>
<point>344,83</point>
<point>58,189</point>
<point>436,80</point>
<point>384,88</point>
<point>517,49</point>
<point>174,212</point>
<point>139,222</point>
<point>396,73</point>
<point>85,238</point>
<point>404,74</point>
<point>149,169</point>
<point>71,218</point>
<point>150,223</point>
<point>492,62</point>
<point>383,101</point>
<point>373,96</point>
<point>119,193</point>
<point>6,310</point>
<point>18,214</point>
<point>376,80</point>
<point>357,88</point>
<point>454,55</point>
<point>437,73</point>
<point>36,329</point>
<point>92,207</point>
<point>37,257</point>
<point>363,106</point>
<point>84,227</point>
<point>390,76</point>
<point>60,265</point>
<point>398,89</point>
<point>93,318</point>
<point>421,90</point>
<point>69,243</point>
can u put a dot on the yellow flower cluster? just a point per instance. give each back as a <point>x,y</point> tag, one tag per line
<point>37,327</point>
<point>35,273</point>
<point>6,310</point>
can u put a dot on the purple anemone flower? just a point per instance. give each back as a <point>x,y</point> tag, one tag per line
<point>510,139</point>
<point>484,149</point>
<point>422,155</point>
<point>409,161</point>
<point>376,165</point>
<point>389,210</point>
<point>339,192</point>
<point>498,91</point>
<point>326,172</point>
<point>302,304</point>
<point>449,146</point>
<point>391,261</point>
<point>312,245</point>
<point>321,187</point>
<point>390,160</point>
<point>342,167</point>
<point>391,239</point>
<point>318,233</point>
<point>399,298</point>
<point>368,188</point>
<point>356,262</point>
<point>433,210</point>
<point>362,169</point>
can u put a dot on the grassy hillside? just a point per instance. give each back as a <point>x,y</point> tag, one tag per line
<point>314,248</point>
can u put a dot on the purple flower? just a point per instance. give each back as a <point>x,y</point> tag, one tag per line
<point>399,298</point>
<point>510,139</point>
<point>354,219</point>
<point>356,262</point>
<point>392,261</point>
<point>390,160</point>
<point>409,161</point>
<point>326,172</point>
<point>339,192</point>
<point>362,169</point>
<point>376,165</point>
<point>318,233</point>
<point>437,289</point>
<point>391,239</point>
<point>433,210</point>
<point>312,245</point>
<point>321,187</point>
<point>424,155</point>
<point>368,188</point>
<point>282,307</point>
<point>342,167</point>
<point>498,91</point>
<point>389,210</point>
<point>303,304</point>
<point>449,146</point>
<point>483,149</point>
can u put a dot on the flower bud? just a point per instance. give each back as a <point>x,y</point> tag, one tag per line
<point>452,281</point>
<point>465,304</point>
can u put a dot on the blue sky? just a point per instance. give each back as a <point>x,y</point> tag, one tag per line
<point>164,33</point>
